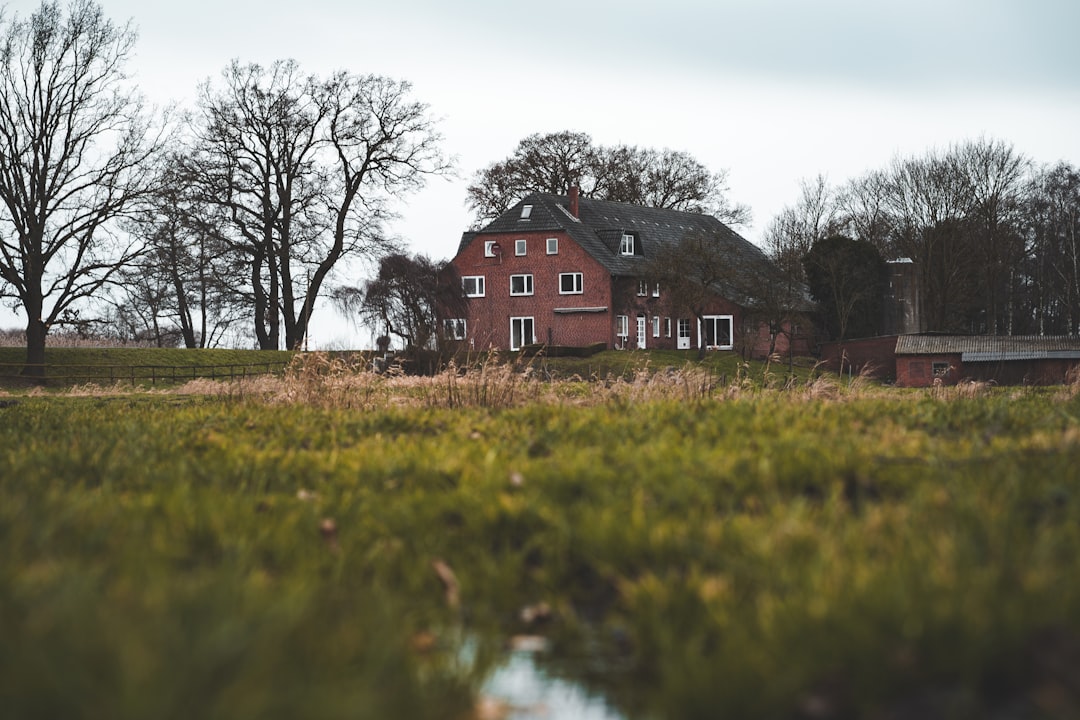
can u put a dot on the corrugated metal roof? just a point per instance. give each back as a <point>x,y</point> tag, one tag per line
<point>987,348</point>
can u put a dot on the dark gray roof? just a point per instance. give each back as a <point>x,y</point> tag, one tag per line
<point>988,348</point>
<point>601,224</point>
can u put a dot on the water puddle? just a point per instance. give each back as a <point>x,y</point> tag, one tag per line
<point>520,690</point>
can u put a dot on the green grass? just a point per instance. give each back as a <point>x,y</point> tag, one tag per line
<point>759,556</point>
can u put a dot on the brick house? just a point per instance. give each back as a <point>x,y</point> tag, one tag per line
<point>570,271</point>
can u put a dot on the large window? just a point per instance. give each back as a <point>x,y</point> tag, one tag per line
<point>716,331</point>
<point>570,283</point>
<point>521,284</point>
<point>622,326</point>
<point>626,247</point>
<point>521,332</point>
<point>454,328</point>
<point>473,285</point>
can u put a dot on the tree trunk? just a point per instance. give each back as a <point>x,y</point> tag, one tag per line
<point>35,345</point>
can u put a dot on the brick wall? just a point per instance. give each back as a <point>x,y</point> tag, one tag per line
<point>918,370</point>
<point>488,320</point>
<point>874,356</point>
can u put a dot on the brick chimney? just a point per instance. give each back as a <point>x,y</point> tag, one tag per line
<point>574,190</point>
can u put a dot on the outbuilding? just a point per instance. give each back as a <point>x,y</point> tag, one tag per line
<point>1005,360</point>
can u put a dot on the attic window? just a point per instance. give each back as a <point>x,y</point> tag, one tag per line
<point>526,211</point>
<point>626,247</point>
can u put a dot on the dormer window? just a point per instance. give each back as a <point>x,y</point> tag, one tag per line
<point>526,212</point>
<point>626,247</point>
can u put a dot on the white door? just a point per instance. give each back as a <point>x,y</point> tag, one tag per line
<point>641,332</point>
<point>521,332</point>
<point>684,335</point>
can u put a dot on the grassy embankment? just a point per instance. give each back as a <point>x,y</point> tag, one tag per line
<point>325,546</point>
<point>141,366</point>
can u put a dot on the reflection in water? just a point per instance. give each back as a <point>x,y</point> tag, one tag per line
<point>530,694</point>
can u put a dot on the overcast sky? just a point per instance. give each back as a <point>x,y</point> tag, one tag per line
<point>773,91</point>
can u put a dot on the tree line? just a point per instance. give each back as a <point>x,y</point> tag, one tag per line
<point>993,237</point>
<point>235,212</point>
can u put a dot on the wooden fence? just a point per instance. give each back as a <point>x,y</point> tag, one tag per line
<point>55,374</point>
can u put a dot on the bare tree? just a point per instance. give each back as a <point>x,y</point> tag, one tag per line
<point>1054,232</point>
<point>998,178</point>
<point>76,153</point>
<point>181,285</point>
<point>556,162</point>
<point>794,231</point>
<point>305,171</point>
<point>862,211</point>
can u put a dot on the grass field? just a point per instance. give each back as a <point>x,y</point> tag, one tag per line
<point>338,545</point>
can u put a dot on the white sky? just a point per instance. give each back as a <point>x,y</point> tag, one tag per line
<point>774,91</point>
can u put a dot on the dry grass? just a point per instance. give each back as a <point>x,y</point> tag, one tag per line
<point>964,389</point>
<point>324,381</point>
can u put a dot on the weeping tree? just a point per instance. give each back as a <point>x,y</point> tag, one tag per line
<point>409,298</point>
<point>303,172</point>
<point>77,154</point>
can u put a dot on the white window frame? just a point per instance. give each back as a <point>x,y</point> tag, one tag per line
<point>642,331</point>
<point>656,326</point>
<point>478,285</point>
<point>577,282</point>
<point>656,290</point>
<point>622,326</point>
<point>642,288</point>
<point>454,328</point>
<point>553,246</point>
<point>730,344</point>
<point>667,327</point>
<point>626,245</point>
<point>526,283</point>
<point>684,327</point>
<point>489,248</point>
<point>520,247</point>
<point>523,340</point>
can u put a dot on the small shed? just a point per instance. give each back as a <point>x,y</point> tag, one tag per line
<point>1005,360</point>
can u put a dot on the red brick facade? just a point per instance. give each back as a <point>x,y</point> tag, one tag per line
<point>570,318</point>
